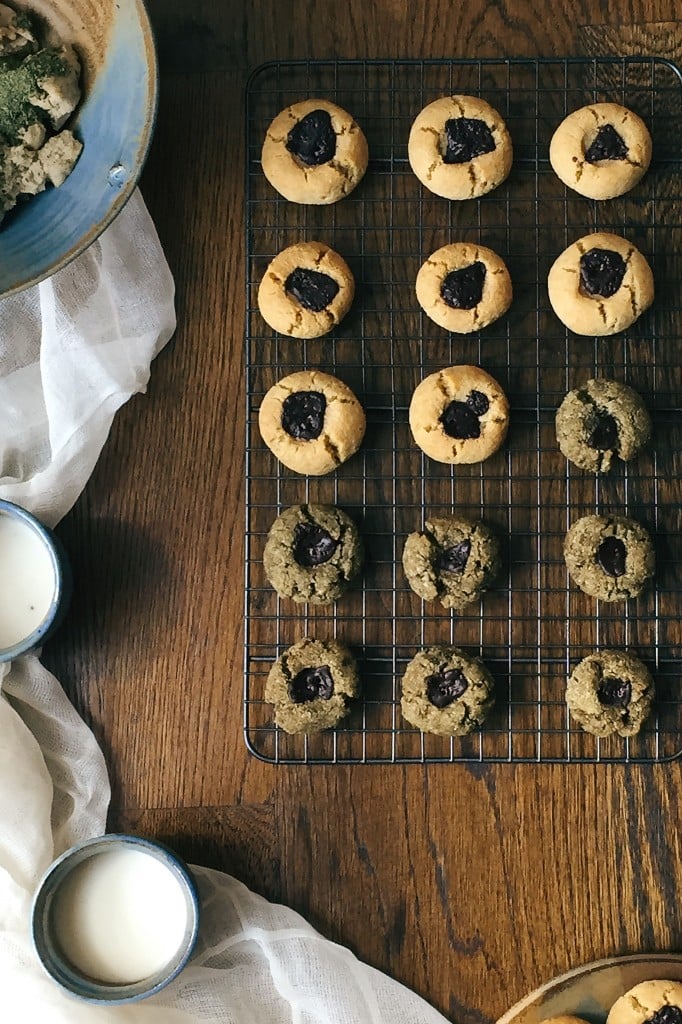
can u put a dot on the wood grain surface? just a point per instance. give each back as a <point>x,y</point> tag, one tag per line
<point>470,884</point>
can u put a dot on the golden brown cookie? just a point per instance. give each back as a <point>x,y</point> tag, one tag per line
<point>314,153</point>
<point>306,290</point>
<point>459,147</point>
<point>601,151</point>
<point>463,287</point>
<point>311,421</point>
<point>564,1018</point>
<point>600,285</point>
<point>657,1002</point>
<point>459,414</point>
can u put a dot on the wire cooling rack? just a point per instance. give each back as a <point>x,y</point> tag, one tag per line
<point>534,626</point>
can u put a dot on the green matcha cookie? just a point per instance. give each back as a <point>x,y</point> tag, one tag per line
<point>610,692</point>
<point>312,553</point>
<point>601,421</point>
<point>445,691</point>
<point>609,557</point>
<point>310,685</point>
<point>452,560</point>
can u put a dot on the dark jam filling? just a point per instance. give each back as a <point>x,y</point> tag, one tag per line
<point>311,289</point>
<point>478,402</point>
<point>312,139</point>
<point>311,684</point>
<point>443,688</point>
<point>463,289</point>
<point>666,1015</point>
<point>602,272</point>
<point>312,545</point>
<point>603,432</point>
<point>453,559</point>
<point>303,414</point>
<point>466,138</point>
<point>461,420</point>
<point>608,145</point>
<point>611,555</point>
<point>614,693</point>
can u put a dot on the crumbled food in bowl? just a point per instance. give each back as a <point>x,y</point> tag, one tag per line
<point>39,89</point>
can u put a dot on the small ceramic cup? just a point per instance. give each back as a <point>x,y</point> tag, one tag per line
<point>115,919</point>
<point>34,563</point>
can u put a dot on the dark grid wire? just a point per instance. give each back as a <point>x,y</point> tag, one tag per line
<point>534,626</point>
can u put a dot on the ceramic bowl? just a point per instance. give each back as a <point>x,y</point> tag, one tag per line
<point>114,121</point>
<point>591,990</point>
<point>60,582</point>
<point>45,928</point>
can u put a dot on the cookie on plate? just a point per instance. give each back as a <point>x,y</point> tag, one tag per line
<point>564,1018</point>
<point>459,415</point>
<point>446,692</point>
<point>463,287</point>
<point>452,560</point>
<point>609,557</point>
<point>311,421</point>
<point>459,147</point>
<point>313,552</point>
<point>600,285</point>
<point>306,290</point>
<point>311,684</point>
<point>600,421</point>
<point>601,150</point>
<point>653,1002</point>
<point>610,692</point>
<point>314,153</point>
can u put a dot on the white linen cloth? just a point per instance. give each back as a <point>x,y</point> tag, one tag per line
<point>72,350</point>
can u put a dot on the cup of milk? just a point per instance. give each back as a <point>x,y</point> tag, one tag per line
<point>36,581</point>
<point>115,919</point>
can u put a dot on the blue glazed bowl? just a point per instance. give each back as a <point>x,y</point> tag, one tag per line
<point>114,121</point>
<point>63,584</point>
<point>44,930</point>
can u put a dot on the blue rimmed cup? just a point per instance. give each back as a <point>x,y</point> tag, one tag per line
<point>56,894</point>
<point>38,581</point>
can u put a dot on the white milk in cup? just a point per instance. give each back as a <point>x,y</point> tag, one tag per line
<point>115,919</point>
<point>31,581</point>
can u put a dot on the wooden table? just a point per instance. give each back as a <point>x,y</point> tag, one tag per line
<point>471,884</point>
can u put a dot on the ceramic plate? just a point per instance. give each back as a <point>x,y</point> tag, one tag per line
<point>591,990</point>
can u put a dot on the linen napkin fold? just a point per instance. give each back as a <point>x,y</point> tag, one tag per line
<point>73,349</point>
